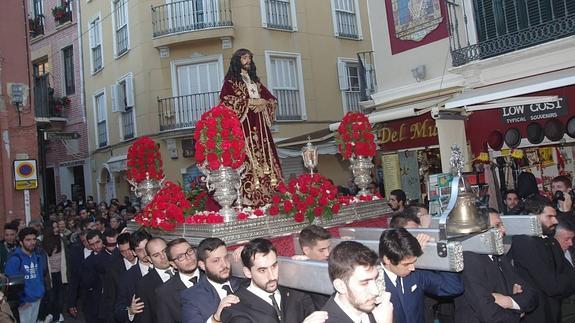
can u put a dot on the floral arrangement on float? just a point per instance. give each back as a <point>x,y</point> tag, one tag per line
<point>308,196</point>
<point>356,142</point>
<point>220,155</point>
<point>164,203</point>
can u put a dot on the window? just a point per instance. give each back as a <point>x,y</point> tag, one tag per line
<point>123,102</point>
<point>346,22</point>
<point>286,83</point>
<point>198,88</point>
<point>121,37</point>
<point>36,21</point>
<point>68,57</point>
<point>278,14</point>
<point>41,89</point>
<point>95,35</point>
<point>348,74</point>
<point>101,119</point>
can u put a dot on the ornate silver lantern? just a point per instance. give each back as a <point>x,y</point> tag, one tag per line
<point>309,155</point>
<point>361,168</point>
<point>146,189</point>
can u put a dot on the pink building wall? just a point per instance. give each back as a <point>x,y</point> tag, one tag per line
<point>16,140</point>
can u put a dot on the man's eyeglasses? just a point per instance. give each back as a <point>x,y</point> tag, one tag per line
<point>190,252</point>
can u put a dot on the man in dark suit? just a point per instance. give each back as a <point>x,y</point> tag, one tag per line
<point>79,251</point>
<point>541,262</point>
<point>494,292</point>
<point>354,272</point>
<point>316,244</point>
<point>214,291</point>
<point>182,256</point>
<point>118,266</point>
<point>159,274</point>
<point>264,300</point>
<point>127,305</point>
<point>399,250</point>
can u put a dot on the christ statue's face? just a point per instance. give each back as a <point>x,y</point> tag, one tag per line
<point>246,61</point>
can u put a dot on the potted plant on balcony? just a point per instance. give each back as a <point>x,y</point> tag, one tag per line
<point>62,13</point>
<point>35,25</point>
<point>58,105</point>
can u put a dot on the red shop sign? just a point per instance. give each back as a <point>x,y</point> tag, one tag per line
<point>413,132</point>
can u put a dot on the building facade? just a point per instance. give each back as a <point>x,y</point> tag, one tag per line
<point>59,101</point>
<point>17,125</point>
<point>454,61</point>
<point>152,68</point>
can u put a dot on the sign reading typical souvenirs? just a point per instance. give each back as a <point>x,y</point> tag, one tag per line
<point>419,131</point>
<point>536,111</point>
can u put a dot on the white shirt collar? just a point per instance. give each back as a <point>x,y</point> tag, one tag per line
<point>163,274</point>
<point>392,276</point>
<point>265,295</point>
<point>186,278</point>
<point>355,315</point>
<point>87,252</point>
<point>128,264</point>
<point>221,292</point>
<point>144,268</point>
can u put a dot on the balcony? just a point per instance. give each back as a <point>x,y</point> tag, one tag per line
<point>49,110</point>
<point>502,26</point>
<point>191,20</point>
<point>289,105</point>
<point>36,26</point>
<point>185,111</point>
<point>62,13</point>
<point>367,80</point>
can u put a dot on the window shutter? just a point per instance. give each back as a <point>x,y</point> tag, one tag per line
<point>92,34</point>
<point>116,105</point>
<point>129,91</point>
<point>342,75</point>
<point>264,13</point>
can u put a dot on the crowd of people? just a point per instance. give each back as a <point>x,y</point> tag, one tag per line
<point>81,262</point>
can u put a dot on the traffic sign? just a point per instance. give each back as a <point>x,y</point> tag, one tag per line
<point>25,174</point>
<point>61,135</point>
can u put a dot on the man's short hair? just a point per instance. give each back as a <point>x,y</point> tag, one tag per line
<point>137,237</point>
<point>309,236</point>
<point>400,219</point>
<point>565,223</point>
<point>510,192</point>
<point>173,243</point>
<point>153,240</point>
<point>536,205</point>
<point>123,238</point>
<point>399,195</point>
<point>26,232</point>
<point>84,222</point>
<point>93,233</point>
<point>346,256</point>
<point>208,245</point>
<point>110,233</point>
<point>255,246</point>
<point>11,226</point>
<point>563,179</point>
<point>398,244</point>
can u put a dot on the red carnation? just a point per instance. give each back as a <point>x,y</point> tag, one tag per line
<point>288,206</point>
<point>273,210</point>
<point>299,217</point>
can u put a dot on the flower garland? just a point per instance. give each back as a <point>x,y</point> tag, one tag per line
<point>219,139</point>
<point>166,209</point>
<point>307,196</point>
<point>144,160</point>
<point>354,137</point>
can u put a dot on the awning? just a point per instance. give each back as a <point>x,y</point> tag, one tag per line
<point>513,88</point>
<point>118,163</point>
<point>314,137</point>
<point>404,111</point>
<point>329,148</point>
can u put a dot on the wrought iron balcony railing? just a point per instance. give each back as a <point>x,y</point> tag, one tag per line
<point>36,26</point>
<point>185,111</point>
<point>503,26</point>
<point>190,15</point>
<point>289,106</point>
<point>367,80</point>
<point>278,14</point>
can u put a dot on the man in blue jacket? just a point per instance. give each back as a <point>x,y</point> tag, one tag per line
<point>398,251</point>
<point>26,261</point>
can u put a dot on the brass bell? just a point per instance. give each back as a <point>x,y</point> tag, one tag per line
<point>464,218</point>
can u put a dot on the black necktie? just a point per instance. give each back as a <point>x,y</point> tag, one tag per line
<point>228,289</point>
<point>276,307</point>
<point>498,260</point>
<point>194,280</point>
<point>169,272</point>
<point>399,285</point>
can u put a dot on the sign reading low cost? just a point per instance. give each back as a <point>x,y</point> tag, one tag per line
<point>25,174</point>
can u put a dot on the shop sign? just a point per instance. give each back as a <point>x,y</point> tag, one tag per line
<point>415,132</point>
<point>536,111</point>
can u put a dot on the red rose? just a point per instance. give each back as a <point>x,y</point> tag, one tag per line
<point>273,210</point>
<point>301,206</point>
<point>309,200</point>
<point>242,216</point>
<point>288,206</point>
<point>258,212</point>
<point>276,199</point>
<point>317,211</point>
<point>299,217</point>
<point>335,208</point>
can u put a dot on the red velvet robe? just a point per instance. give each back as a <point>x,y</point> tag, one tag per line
<point>263,170</point>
